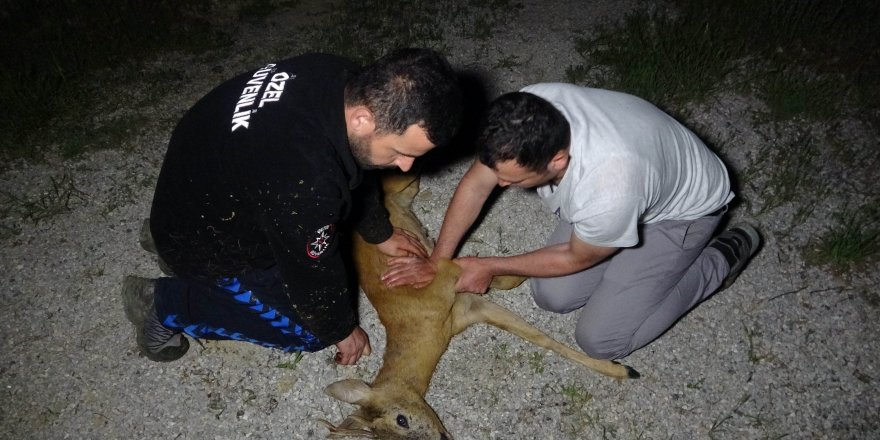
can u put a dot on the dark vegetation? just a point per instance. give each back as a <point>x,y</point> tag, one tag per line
<point>813,64</point>
<point>810,62</point>
<point>50,48</point>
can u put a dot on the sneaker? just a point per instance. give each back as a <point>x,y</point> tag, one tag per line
<point>155,341</point>
<point>738,244</point>
<point>145,238</point>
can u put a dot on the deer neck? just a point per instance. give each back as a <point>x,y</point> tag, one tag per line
<point>411,363</point>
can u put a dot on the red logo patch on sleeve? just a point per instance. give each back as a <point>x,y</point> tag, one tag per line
<point>320,241</point>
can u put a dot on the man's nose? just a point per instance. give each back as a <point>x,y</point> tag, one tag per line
<point>404,163</point>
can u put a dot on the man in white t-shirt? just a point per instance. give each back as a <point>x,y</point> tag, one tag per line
<point>638,197</point>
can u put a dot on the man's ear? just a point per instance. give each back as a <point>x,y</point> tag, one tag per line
<point>559,161</point>
<point>360,120</point>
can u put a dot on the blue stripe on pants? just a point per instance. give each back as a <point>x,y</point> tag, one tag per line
<point>252,308</point>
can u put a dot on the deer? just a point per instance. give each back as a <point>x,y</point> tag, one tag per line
<point>419,325</point>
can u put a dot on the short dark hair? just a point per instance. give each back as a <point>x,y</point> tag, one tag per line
<point>410,86</point>
<point>523,127</point>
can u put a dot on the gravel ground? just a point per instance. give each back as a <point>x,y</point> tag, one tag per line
<point>789,351</point>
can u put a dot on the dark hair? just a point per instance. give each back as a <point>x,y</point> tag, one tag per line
<point>406,87</point>
<point>524,127</point>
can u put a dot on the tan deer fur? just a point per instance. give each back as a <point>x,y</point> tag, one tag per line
<point>419,324</point>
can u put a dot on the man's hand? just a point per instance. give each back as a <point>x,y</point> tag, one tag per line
<point>350,349</point>
<point>402,243</point>
<point>413,271</point>
<point>475,275</point>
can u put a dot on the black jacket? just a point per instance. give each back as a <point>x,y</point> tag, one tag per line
<point>259,172</point>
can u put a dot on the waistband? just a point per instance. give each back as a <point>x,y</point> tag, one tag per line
<point>717,212</point>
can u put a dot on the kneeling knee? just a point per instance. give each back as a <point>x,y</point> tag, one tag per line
<point>546,299</point>
<point>599,346</point>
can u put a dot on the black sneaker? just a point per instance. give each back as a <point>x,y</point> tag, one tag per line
<point>738,244</point>
<point>155,341</point>
<point>145,238</point>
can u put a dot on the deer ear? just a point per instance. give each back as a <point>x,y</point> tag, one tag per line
<point>352,391</point>
<point>352,426</point>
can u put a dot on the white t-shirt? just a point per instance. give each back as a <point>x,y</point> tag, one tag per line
<point>630,164</point>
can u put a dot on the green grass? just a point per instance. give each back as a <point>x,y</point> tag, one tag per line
<point>800,92</point>
<point>720,424</point>
<point>782,171</point>
<point>536,361</point>
<point>667,61</point>
<point>509,62</point>
<point>686,54</point>
<point>292,364</point>
<point>60,196</point>
<point>374,27</point>
<point>698,385</point>
<point>852,240</point>
<point>752,334</point>
<point>576,394</point>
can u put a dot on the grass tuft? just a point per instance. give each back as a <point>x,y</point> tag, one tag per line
<point>799,92</point>
<point>373,27</point>
<point>576,394</point>
<point>781,170</point>
<point>852,240</point>
<point>536,361</point>
<point>720,424</point>
<point>291,364</point>
<point>60,197</point>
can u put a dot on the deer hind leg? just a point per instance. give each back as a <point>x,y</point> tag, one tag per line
<point>485,311</point>
<point>506,282</point>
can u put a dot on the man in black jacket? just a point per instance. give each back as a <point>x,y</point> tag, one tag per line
<point>262,178</point>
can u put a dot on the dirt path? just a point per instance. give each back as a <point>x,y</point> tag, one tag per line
<point>790,350</point>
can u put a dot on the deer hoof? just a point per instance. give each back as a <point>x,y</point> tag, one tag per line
<point>631,373</point>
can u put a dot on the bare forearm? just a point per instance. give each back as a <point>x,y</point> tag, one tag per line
<point>551,261</point>
<point>458,220</point>
<point>464,208</point>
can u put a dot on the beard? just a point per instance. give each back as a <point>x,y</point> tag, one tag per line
<point>360,149</point>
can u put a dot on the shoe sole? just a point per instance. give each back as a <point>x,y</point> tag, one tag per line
<point>755,244</point>
<point>754,237</point>
<point>167,354</point>
<point>136,304</point>
<point>145,238</point>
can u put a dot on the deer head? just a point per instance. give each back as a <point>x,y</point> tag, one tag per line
<point>396,412</point>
